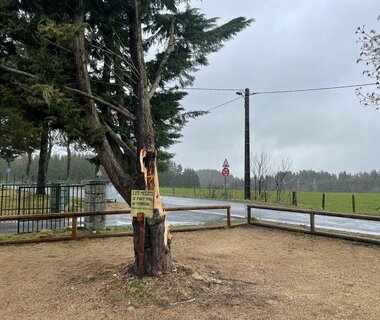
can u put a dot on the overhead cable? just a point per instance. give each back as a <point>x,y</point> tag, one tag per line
<point>316,89</point>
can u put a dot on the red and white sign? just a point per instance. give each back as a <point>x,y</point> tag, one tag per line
<point>225,163</point>
<point>225,172</point>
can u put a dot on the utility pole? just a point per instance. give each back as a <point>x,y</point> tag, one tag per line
<point>247,157</point>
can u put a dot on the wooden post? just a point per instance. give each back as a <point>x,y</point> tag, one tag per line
<point>173,191</point>
<point>74,225</point>
<point>249,215</point>
<point>353,203</point>
<point>294,198</point>
<point>312,223</point>
<point>141,221</point>
<point>323,201</point>
<point>229,217</point>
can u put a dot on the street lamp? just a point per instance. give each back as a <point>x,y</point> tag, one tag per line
<point>247,160</point>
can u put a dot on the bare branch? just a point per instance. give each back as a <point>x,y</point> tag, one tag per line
<point>116,108</point>
<point>15,71</point>
<point>129,148</point>
<point>165,58</point>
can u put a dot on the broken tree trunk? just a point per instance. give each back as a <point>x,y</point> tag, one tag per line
<point>157,253</point>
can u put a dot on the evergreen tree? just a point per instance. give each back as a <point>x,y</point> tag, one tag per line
<point>86,61</point>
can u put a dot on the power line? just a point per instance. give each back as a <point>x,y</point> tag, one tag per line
<point>273,92</point>
<point>223,104</point>
<point>203,89</point>
<point>276,91</point>
<point>316,89</point>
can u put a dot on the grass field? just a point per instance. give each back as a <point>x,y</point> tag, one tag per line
<point>334,201</point>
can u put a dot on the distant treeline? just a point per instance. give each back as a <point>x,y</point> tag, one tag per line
<point>177,176</point>
<point>309,180</point>
<point>304,180</point>
<point>80,169</point>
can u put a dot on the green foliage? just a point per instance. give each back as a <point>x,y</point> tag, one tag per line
<point>38,37</point>
<point>366,203</point>
<point>17,135</point>
<point>174,176</point>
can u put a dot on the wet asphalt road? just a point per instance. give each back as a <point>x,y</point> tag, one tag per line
<point>239,210</point>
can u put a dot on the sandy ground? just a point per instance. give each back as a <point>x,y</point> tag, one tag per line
<point>244,273</point>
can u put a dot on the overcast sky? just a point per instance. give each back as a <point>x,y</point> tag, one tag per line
<point>292,44</point>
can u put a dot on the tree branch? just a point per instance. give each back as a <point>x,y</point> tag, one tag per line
<point>19,72</point>
<point>129,148</point>
<point>116,108</point>
<point>168,51</point>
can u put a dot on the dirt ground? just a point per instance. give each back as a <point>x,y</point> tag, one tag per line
<point>243,273</point>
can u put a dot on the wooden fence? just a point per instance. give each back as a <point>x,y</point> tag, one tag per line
<point>312,227</point>
<point>75,215</point>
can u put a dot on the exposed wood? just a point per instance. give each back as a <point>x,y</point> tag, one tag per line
<point>157,255</point>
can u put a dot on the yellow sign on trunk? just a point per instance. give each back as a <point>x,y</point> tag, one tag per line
<point>142,201</point>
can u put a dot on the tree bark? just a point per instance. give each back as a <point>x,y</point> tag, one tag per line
<point>112,166</point>
<point>43,161</point>
<point>28,164</point>
<point>157,258</point>
<point>68,161</point>
<point>157,251</point>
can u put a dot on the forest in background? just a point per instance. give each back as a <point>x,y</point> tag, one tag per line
<point>177,176</point>
<point>80,169</point>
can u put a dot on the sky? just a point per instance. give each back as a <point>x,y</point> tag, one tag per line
<point>293,44</point>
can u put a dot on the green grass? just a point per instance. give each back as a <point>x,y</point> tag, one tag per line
<point>334,201</point>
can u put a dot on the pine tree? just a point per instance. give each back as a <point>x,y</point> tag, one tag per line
<point>100,87</point>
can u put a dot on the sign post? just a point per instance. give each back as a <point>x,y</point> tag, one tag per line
<point>225,174</point>
<point>141,221</point>
<point>141,207</point>
<point>142,201</point>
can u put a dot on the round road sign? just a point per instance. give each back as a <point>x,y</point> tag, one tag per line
<point>225,172</point>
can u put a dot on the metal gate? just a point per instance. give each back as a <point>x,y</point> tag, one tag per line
<point>17,199</point>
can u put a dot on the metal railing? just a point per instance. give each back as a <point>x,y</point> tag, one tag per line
<point>312,226</point>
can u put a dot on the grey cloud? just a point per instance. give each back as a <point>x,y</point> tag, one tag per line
<point>292,44</point>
